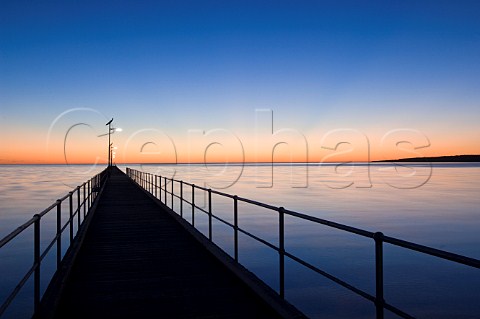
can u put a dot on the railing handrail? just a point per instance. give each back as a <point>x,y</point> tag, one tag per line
<point>16,232</point>
<point>93,182</point>
<point>148,181</point>
<point>365,233</point>
<point>443,254</point>
<point>5,240</point>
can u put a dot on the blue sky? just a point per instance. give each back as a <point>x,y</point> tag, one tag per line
<point>177,65</point>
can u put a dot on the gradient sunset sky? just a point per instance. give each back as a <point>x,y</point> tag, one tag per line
<point>201,80</point>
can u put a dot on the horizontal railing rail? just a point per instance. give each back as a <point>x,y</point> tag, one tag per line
<point>153,184</point>
<point>85,195</point>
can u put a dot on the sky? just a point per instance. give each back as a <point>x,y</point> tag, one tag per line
<point>232,81</point>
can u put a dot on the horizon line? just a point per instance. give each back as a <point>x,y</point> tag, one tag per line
<point>252,162</point>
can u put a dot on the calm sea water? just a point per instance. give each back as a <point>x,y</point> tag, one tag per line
<point>437,206</point>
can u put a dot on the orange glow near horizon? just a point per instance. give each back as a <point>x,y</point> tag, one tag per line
<point>221,149</point>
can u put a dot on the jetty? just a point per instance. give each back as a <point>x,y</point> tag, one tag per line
<point>138,261</point>
<point>132,254</point>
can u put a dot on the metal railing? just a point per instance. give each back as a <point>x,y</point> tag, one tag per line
<point>153,184</point>
<point>80,200</point>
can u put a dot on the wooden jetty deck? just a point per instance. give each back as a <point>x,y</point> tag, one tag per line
<point>136,260</point>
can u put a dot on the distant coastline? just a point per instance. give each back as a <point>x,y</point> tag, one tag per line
<point>454,158</point>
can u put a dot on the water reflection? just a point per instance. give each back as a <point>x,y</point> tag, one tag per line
<point>442,213</point>
<point>438,208</point>
<point>26,190</point>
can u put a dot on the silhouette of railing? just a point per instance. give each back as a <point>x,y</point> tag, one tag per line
<point>81,198</point>
<point>153,184</point>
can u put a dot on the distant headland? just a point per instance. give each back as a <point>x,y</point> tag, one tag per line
<point>454,158</point>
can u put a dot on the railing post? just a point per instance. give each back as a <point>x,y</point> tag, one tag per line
<point>281,249</point>
<point>84,202</point>
<point>156,186</point>
<point>235,228</point>
<point>36,258</point>
<point>78,208</point>
<point>210,214</point>
<point>160,188</point>
<point>92,186</point>
<point>172,192</point>
<point>193,205</point>
<point>70,200</point>
<point>59,233</point>
<point>89,191</point>
<point>165,189</point>
<point>379,301</point>
<point>181,199</point>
